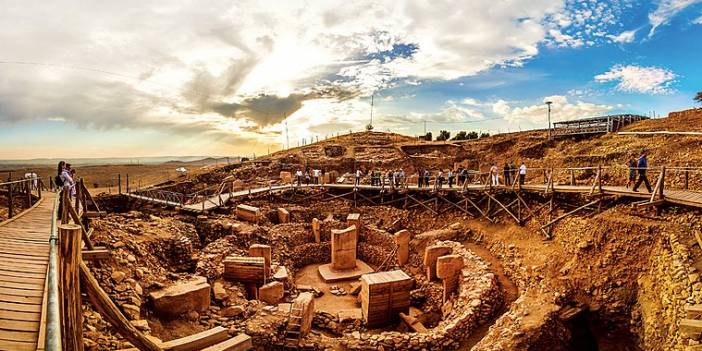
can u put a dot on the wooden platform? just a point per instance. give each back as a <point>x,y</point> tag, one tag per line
<point>24,258</point>
<point>679,197</point>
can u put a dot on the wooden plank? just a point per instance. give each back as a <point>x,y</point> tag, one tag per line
<point>22,286</point>
<point>694,311</point>
<point>9,273</point>
<point>98,253</point>
<point>691,327</point>
<point>241,342</point>
<point>109,311</point>
<point>20,292</point>
<point>19,325</point>
<point>19,307</point>
<point>21,316</point>
<point>17,345</point>
<point>21,336</point>
<point>20,299</point>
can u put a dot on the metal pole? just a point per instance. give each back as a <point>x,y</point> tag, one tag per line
<point>548,103</point>
<point>53,312</point>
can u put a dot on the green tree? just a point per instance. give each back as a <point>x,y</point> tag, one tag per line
<point>443,135</point>
<point>698,97</point>
<point>484,135</point>
<point>426,137</point>
<point>460,136</point>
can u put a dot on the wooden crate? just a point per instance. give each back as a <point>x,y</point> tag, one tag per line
<point>245,269</point>
<point>384,295</point>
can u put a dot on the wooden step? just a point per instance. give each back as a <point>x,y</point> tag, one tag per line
<point>694,311</point>
<point>241,342</point>
<point>691,327</point>
<point>194,342</point>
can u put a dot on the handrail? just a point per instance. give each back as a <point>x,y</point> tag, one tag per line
<point>20,181</point>
<point>53,312</point>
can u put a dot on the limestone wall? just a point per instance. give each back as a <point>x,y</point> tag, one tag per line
<point>670,284</point>
<point>478,298</point>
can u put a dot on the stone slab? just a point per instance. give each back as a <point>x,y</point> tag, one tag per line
<point>333,275</point>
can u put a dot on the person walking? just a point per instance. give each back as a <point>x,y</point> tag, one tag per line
<point>439,179</point>
<point>632,172</point>
<point>402,178</point>
<point>307,177</point>
<point>450,178</point>
<point>298,176</point>
<point>507,173</point>
<point>642,166</point>
<point>494,175</point>
<point>522,173</point>
<point>358,177</point>
<point>315,176</point>
<point>419,178</point>
<point>427,177</point>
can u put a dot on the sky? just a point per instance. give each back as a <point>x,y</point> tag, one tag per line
<point>174,78</point>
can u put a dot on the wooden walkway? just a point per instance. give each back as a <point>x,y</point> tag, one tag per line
<point>24,258</point>
<point>680,197</point>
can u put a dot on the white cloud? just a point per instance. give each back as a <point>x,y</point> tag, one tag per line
<point>666,10</point>
<point>623,37</point>
<point>238,67</point>
<point>561,110</point>
<point>637,79</point>
<point>697,20</point>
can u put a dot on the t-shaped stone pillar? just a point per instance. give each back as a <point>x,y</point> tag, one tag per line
<point>316,230</point>
<point>355,220</point>
<point>448,269</point>
<point>431,253</point>
<point>259,250</point>
<point>343,248</point>
<point>402,239</point>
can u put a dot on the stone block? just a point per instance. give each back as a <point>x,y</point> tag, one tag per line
<point>271,293</point>
<point>260,250</point>
<point>343,248</point>
<point>303,306</point>
<point>248,213</point>
<point>355,220</point>
<point>316,230</point>
<point>431,254</point>
<point>285,177</point>
<point>402,239</point>
<point>182,297</point>
<point>283,215</point>
<point>448,269</point>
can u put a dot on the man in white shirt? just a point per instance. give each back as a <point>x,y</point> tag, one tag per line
<point>522,173</point>
<point>298,175</point>
<point>358,176</point>
<point>315,176</point>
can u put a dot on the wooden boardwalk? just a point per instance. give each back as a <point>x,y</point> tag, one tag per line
<point>24,258</point>
<point>680,197</point>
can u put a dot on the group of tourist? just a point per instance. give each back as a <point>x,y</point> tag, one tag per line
<point>65,175</point>
<point>509,173</point>
<point>396,178</point>
<point>314,177</point>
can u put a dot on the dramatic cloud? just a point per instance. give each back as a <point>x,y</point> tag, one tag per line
<point>697,20</point>
<point>242,67</point>
<point>637,79</point>
<point>666,10</point>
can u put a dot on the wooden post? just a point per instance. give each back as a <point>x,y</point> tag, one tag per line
<point>572,177</point>
<point>127,183</point>
<point>9,201</point>
<point>39,186</point>
<point>119,183</point>
<point>78,193</point>
<point>687,179</point>
<point>599,178</point>
<point>69,285</point>
<point>28,192</point>
<point>107,309</point>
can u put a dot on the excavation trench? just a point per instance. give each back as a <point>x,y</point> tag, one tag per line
<point>516,284</point>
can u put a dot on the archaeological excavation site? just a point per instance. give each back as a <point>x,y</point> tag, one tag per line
<point>370,253</point>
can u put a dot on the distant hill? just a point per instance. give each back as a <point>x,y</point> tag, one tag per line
<point>117,160</point>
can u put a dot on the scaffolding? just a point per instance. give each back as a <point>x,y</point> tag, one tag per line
<point>594,125</point>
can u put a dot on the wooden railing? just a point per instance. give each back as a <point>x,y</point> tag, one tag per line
<point>27,190</point>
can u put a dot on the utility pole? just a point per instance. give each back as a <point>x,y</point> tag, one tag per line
<point>370,125</point>
<point>425,127</point>
<point>548,103</point>
<point>287,136</point>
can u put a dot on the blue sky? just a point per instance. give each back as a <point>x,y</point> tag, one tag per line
<point>148,79</point>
